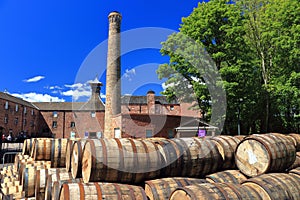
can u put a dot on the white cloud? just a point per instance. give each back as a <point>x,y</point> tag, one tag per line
<point>34,79</point>
<point>35,97</point>
<point>77,85</point>
<point>54,87</point>
<point>165,86</point>
<point>129,74</point>
<point>79,90</point>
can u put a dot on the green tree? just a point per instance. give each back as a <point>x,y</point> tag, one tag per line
<point>217,26</point>
<point>272,29</point>
<point>254,45</point>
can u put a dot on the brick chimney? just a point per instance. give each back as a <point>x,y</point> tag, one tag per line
<point>113,73</point>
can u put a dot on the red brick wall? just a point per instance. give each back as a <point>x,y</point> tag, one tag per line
<point>84,122</point>
<point>136,125</point>
<point>25,121</point>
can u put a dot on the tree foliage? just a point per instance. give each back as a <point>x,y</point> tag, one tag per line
<point>254,45</point>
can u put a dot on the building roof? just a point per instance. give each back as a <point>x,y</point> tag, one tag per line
<point>58,105</point>
<point>143,100</point>
<point>94,103</point>
<point>16,100</point>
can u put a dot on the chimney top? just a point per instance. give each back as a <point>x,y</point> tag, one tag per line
<point>114,13</point>
<point>150,92</point>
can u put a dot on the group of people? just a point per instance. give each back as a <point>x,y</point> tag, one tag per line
<point>9,137</point>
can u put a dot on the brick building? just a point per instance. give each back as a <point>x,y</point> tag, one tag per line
<point>142,116</point>
<point>17,115</point>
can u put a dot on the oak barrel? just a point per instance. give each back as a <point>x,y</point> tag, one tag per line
<point>240,137</point>
<point>32,164</point>
<point>215,191</point>
<point>41,149</point>
<point>171,153</point>
<point>227,145</point>
<point>21,159</point>
<point>264,153</point>
<point>28,179</point>
<point>51,179</point>
<point>121,160</point>
<point>161,189</point>
<point>199,157</point>
<point>58,152</point>
<point>227,176</point>
<point>296,163</point>
<point>69,153</point>
<point>57,185</point>
<point>41,179</point>
<point>76,157</point>
<point>276,186</point>
<point>295,171</point>
<point>70,191</point>
<point>27,146</point>
<point>296,138</point>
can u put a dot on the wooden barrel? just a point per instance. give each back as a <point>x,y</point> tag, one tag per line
<point>227,176</point>
<point>121,160</point>
<point>101,191</point>
<point>69,153</point>
<point>240,137</point>
<point>21,159</point>
<point>41,149</point>
<point>58,152</point>
<point>18,157</point>
<point>296,138</point>
<point>41,179</point>
<point>264,153</point>
<point>171,153</point>
<point>57,185</point>
<point>296,163</point>
<point>276,186</point>
<point>76,157</point>
<point>28,179</point>
<point>58,176</point>
<point>199,158</point>
<point>295,171</point>
<point>32,164</point>
<point>227,145</point>
<point>27,146</point>
<point>215,191</point>
<point>161,189</point>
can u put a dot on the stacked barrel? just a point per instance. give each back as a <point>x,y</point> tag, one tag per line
<point>264,166</point>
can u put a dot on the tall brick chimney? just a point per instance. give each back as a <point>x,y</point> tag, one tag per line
<point>113,71</point>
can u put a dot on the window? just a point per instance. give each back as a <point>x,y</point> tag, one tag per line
<point>16,120</point>
<point>32,112</point>
<point>6,105</point>
<point>149,133</point>
<point>54,124</point>
<point>117,132</point>
<point>171,107</point>
<point>17,107</point>
<point>170,133</point>
<point>72,124</point>
<point>6,119</point>
<point>92,135</point>
<point>31,123</point>
<point>25,110</point>
<point>54,113</point>
<point>93,114</point>
<point>24,122</point>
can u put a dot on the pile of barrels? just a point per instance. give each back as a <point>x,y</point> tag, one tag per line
<point>265,166</point>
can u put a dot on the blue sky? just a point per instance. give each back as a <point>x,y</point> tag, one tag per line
<point>51,49</point>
